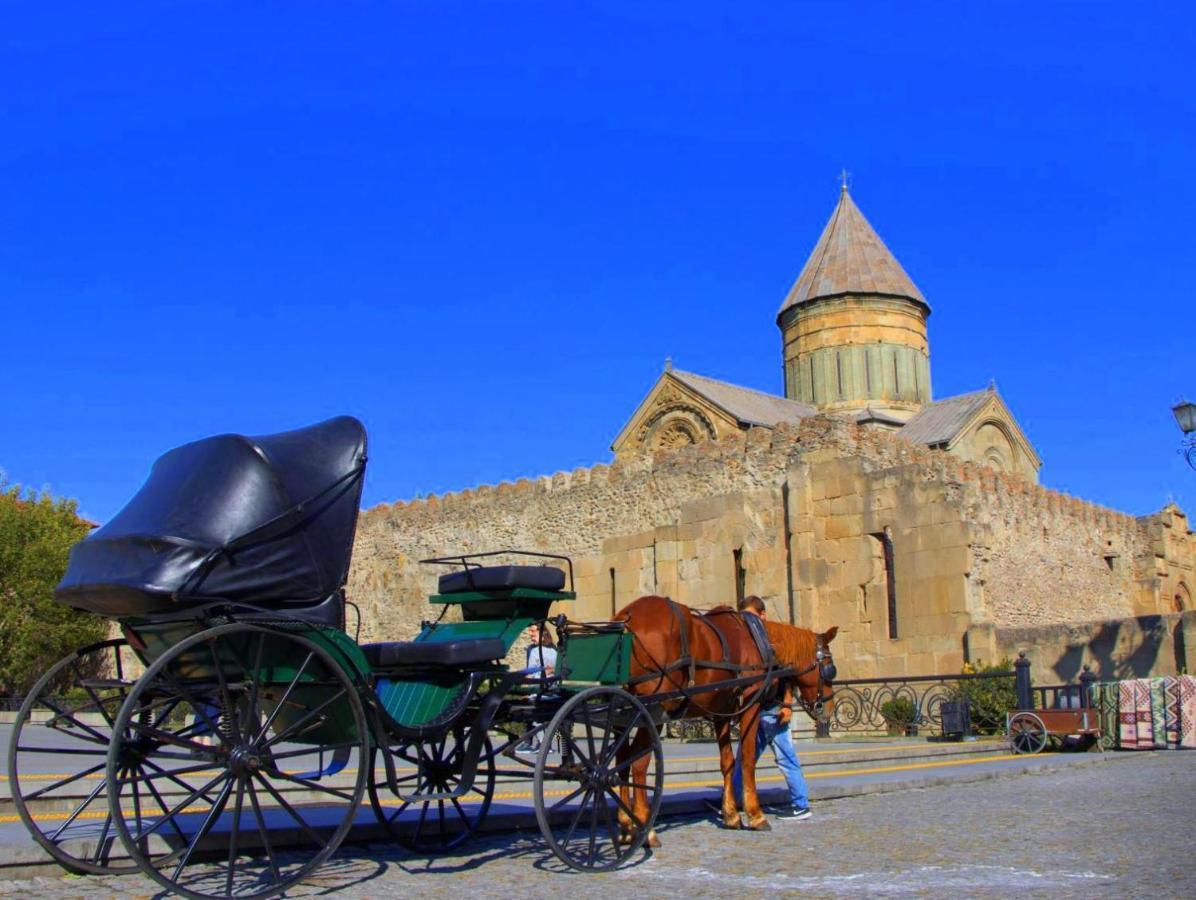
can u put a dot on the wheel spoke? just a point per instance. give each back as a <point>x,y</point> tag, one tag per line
<point>201,709</point>
<point>104,844</point>
<point>236,832</point>
<point>57,784</point>
<point>64,751</point>
<point>262,830</point>
<point>581,808</point>
<point>567,798</point>
<point>162,803</point>
<point>178,808</point>
<point>308,751</point>
<point>460,811</point>
<point>281,801</point>
<point>208,822</point>
<point>634,758</point>
<point>61,713</point>
<point>313,785</point>
<point>623,806</point>
<point>285,697</point>
<point>53,838</point>
<point>611,824</point>
<point>594,824</point>
<point>95,698</point>
<point>167,737</point>
<point>423,814</point>
<point>295,727</point>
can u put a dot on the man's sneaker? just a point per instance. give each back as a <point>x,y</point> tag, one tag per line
<point>795,814</point>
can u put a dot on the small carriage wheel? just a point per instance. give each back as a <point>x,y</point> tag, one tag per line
<point>230,722</point>
<point>590,823</point>
<point>440,825</point>
<point>64,728</point>
<point>1027,734</point>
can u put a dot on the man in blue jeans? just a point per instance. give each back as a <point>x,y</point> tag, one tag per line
<point>774,732</point>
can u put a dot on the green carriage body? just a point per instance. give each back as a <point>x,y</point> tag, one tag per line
<point>416,697</point>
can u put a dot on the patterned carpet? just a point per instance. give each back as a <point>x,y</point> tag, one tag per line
<point>1147,713</point>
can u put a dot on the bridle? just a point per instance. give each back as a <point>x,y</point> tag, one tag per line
<point>824,664</point>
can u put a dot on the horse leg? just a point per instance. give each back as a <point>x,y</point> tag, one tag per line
<point>750,746</point>
<point>726,760</point>
<point>635,799</point>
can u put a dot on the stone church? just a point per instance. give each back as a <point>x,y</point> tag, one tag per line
<point>853,329</point>
<point>857,499</point>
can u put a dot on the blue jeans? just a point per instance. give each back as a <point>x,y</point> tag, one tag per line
<point>773,733</point>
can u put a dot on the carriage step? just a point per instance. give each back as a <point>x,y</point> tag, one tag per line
<point>461,653</point>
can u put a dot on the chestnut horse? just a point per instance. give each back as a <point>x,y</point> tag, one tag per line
<point>676,648</point>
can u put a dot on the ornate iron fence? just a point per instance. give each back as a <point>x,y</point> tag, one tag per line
<point>890,706</point>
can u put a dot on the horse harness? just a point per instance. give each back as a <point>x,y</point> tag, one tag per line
<point>686,660</point>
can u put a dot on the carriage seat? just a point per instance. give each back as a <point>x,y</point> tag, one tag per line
<point>503,578</point>
<point>467,652</point>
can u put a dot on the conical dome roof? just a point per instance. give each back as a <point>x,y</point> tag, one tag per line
<point>850,258</point>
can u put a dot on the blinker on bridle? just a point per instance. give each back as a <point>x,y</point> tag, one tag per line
<point>824,663</point>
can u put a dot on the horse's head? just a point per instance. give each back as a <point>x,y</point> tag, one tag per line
<point>815,681</point>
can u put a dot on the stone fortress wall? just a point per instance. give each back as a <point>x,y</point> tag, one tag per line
<point>831,523</point>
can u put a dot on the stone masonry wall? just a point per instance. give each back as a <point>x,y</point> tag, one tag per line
<point>970,546</point>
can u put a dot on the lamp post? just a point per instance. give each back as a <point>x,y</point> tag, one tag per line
<point>1185,415</point>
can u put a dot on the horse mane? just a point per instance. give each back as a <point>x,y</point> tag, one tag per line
<point>794,646</point>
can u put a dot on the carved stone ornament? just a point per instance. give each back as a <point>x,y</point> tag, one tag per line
<point>676,426</point>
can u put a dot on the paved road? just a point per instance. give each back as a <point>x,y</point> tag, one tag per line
<point>1119,827</point>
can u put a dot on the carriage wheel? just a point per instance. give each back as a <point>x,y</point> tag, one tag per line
<point>58,752</point>
<point>595,730</point>
<point>434,826</point>
<point>253,731</point>
<point>1027,734</point>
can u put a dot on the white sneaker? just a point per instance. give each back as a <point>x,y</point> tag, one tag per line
<point>795,814</point>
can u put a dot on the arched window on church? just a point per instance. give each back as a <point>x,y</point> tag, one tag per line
<point>1183,598</point>
<point>740,577</point>
<point>883,580</point>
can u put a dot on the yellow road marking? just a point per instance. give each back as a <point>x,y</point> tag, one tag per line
<point>526,795</point>
<point>802,754</point>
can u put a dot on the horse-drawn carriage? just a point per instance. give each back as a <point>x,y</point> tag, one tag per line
<point>228,740</point>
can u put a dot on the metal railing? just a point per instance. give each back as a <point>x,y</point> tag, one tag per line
<point>914,705</point>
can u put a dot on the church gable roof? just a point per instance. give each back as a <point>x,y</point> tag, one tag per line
<point>939,422</point>
<point>750,407</point>
<point>850,258</point>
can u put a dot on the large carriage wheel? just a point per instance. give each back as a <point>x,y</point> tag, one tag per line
<point>434,767</point>
<point>1027,734</point>
<point>58,752</point>
<point>255,730</point>
<point>601,732</point>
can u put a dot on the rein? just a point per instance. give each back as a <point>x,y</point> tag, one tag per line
<point>686,661</point>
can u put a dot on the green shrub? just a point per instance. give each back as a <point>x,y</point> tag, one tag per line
<point>36,534</point>
<point>989,699</point>
<point>898,713</point>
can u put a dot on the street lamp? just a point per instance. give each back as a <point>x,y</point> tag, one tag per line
<point>1185,415</point>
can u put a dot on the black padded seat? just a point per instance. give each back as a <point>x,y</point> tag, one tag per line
<point>503,578</point>
<point>467,652</point>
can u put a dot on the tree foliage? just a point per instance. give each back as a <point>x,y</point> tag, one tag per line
<point>37,532</point>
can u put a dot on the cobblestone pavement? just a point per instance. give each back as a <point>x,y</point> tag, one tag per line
<point>1119,827</point>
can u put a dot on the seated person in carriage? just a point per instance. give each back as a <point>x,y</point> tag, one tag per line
<point>541,652</point>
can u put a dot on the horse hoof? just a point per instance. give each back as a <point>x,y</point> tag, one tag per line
<point>762,825</point>
<point>733,823</point>
<point>653,840</point>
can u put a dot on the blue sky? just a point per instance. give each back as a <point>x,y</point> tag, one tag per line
<point>481,227</point>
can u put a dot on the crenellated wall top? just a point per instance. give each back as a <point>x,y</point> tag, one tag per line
<point>775,450</point>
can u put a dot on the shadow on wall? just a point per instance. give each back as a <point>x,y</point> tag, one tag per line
<point>1150,639</point>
